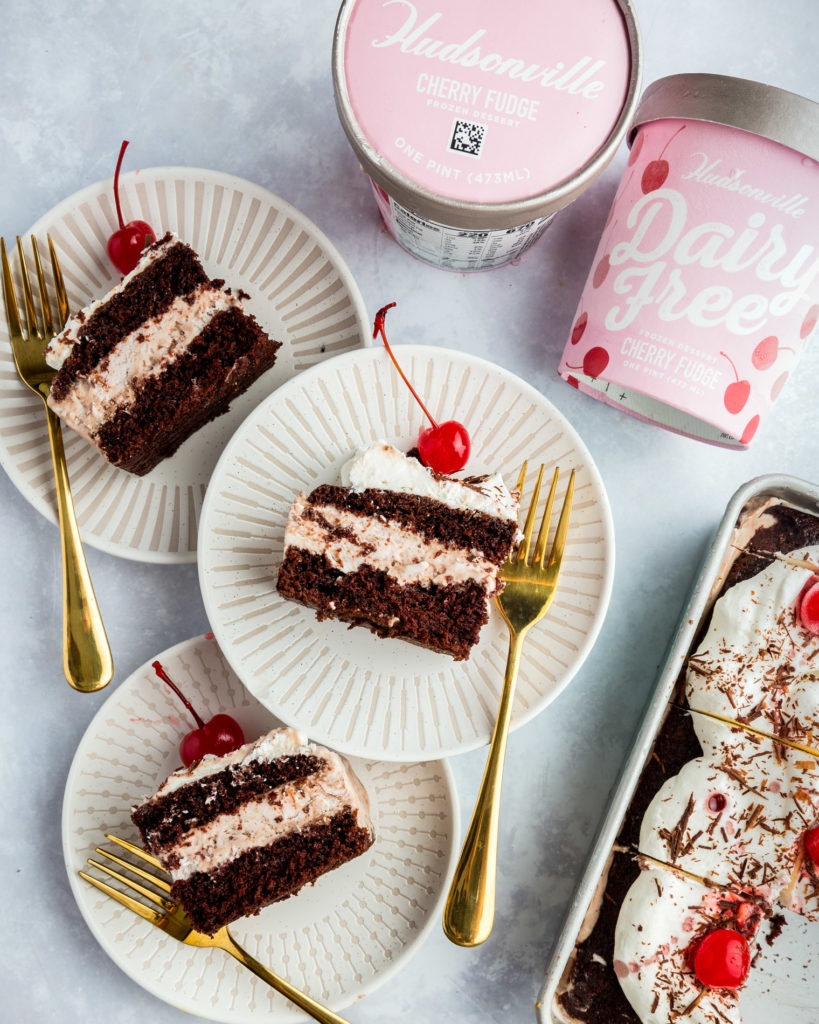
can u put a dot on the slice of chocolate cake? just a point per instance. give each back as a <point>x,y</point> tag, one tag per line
<point>402,550</point>
<point>162,354</point>
<point>245,829</point>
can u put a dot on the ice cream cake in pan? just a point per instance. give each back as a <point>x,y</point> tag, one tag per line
<point>719,844</point>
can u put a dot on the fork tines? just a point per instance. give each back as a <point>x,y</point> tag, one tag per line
<point>43,329</point>
<point>137,906</point>
<point>559,542</point>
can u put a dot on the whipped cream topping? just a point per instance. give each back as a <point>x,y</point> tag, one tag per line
<point>761,763</point>
<point>349,541</point>
<point>757,664</point>
<point>663,914</point>
<point>717,826</point>
<point>288,808</point>
<point>382,467</point>
<point>802,895</point>
<point>735,816</point>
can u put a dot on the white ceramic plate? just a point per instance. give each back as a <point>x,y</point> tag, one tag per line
<point>350,689</point>
<point>301,293</point>
<point>338,939</point>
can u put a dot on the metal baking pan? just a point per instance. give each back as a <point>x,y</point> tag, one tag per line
<point>764,998</point>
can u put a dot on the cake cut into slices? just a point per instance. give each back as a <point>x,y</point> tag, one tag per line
<point>402,550</point>
<point>728,799</point>
<point>245,829</point>
<point>163,353</point>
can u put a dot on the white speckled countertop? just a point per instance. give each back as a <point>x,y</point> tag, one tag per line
<point>246,89</point>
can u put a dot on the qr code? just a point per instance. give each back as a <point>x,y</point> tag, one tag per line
<point>467,137</point>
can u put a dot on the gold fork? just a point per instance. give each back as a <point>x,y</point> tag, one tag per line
<point>529,588</point>
<point>87,661</point>
<point>173,920</point>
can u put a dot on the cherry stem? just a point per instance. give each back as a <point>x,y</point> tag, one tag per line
<point>731,361</point>
<point>163,675</point>
<point>116,182</point>
<point>674,136</point>
<point>378,328</point>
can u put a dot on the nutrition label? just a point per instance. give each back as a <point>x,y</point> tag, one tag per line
<point>456,248</point>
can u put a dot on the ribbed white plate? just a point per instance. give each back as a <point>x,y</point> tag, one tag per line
<point>300,291</point>
<point>350,689</point>
<point>338,939</point>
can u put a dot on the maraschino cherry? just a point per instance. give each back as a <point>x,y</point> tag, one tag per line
<point>220,735</point>
<point>808,605</point>
<point>812,845</point>
<point>722,959</point>
<point>127,242</point>
<point>444,447</point>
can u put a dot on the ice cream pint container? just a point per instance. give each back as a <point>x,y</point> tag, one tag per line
<point>476,121</point>
<point>704,289</point>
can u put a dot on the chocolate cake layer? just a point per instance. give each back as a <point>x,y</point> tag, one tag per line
<point>675,746</point>
<point>594,995</point>
<point>447,619</point>
<point>228,355</point>
<point>433,520</point>
<point>165,819</point>
<point>791,529</point>
<point>147,295</point>
<point>268,874</point>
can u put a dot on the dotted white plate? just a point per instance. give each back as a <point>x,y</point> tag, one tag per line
<point>338,939</point>
<point>300,291</point>
<point>347,687</point>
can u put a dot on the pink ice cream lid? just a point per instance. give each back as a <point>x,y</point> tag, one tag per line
<point>478,104</point>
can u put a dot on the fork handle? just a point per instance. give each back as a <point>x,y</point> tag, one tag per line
<point>470,907</point>
<point>301,999</point>
<point>87,661</point>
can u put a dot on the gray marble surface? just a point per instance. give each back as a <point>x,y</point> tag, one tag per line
<point>246,88</point>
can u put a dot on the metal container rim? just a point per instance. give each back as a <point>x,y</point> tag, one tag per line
<point>794,490</point>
